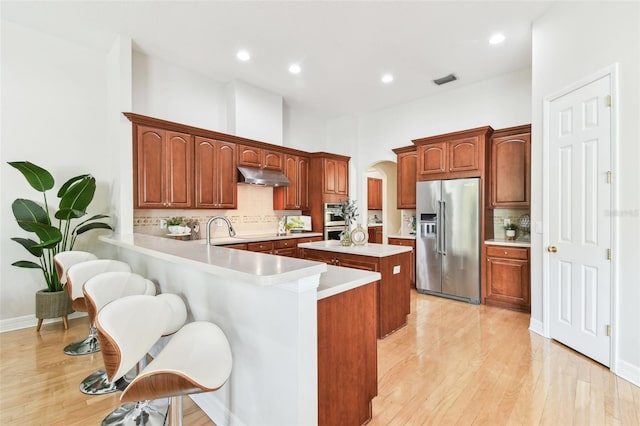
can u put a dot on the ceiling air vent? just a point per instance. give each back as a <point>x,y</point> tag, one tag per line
<point>446,79</point>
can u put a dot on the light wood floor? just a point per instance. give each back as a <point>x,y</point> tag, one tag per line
<point>454,363</point>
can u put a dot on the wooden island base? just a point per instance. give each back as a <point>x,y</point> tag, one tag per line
<point>347,357</point>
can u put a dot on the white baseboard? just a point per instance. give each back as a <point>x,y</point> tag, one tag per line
<point>536,326</point>
<point>26,321</point>
<point>215,410</point>
<point>628,371</point>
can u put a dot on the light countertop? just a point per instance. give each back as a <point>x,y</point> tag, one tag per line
<point>251,267</point>
<point>256,268</point>
<point>405,236</point>
<point>253,238</point>
<point>338,279</point>
<point>369,249</point>
<point>500,242</point>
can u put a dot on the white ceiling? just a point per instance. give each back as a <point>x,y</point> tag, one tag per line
<point>343,47</point>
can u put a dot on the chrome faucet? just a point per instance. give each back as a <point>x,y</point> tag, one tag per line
<point>232,232</point>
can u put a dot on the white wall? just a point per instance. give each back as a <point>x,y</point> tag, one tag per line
<point>54,95</point>
<point>164,90</point>
<point>303,130</point>
<point>500,102</point>
<point>257,113</point>
<point>571,42</point>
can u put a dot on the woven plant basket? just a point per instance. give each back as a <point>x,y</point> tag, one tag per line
<point>52,304</point>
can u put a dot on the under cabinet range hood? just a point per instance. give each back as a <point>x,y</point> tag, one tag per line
<point>262,177</point>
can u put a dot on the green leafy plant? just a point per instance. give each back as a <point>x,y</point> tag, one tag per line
<point>175,221</point>
<point>510,227</point>
<point>348,210</point>
<point>51,238</point>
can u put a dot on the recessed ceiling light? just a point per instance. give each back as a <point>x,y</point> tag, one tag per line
<point>497,38</point>
<point>387,78</point>
<point>243,55</point>
<point>294,69</point>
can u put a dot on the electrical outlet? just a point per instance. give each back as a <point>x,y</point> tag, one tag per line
<point>163,224</point>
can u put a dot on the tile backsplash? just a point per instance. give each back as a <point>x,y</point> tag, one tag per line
<point>254,215</point>
<point>499,215</point>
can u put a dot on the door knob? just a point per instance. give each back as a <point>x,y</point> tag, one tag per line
<point>552,249</point>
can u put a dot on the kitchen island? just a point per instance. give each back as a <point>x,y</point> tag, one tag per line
<point>393,263</point>
<point>268,308</point>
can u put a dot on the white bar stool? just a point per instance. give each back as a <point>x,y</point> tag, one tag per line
<point>196,359</point>
<point>77,275</point>
<point>98,291</point>
<point>63,261</point>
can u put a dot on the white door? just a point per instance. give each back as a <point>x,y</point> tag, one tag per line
<point>579,279</point>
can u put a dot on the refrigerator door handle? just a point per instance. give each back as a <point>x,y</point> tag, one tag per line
<point>443,228</point>
<point>438,227</point>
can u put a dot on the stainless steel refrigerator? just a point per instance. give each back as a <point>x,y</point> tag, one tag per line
<point>448,238</point>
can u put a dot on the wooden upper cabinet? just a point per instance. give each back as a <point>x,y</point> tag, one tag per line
<point>215,174</point>
<point>260,158</point>
<point>511,167</point>
<point>374,194</point>
<point>433,159</point>
<point>164,168</point>
<point>464,155</point>
<point>295,196</point>
<point>336,177</point>
<point>406,177</point>
<point>453,155</point>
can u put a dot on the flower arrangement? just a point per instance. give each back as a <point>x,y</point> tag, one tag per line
<point>348,210</point>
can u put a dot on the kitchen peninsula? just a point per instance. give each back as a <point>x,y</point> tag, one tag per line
<point>393,263</point>
<point>281,316</point>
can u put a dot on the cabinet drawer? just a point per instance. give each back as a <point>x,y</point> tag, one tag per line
<point>401,242</point>
<point>240,246</point>
<point>279,244</point>
<point>508,252</point>
<point>309,239</point>
<point>261,246</point>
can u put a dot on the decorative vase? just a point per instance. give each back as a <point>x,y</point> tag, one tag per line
<point>52,304</point>
<point>511,234</point>
<point>345,237</point>
<point>358,236</point>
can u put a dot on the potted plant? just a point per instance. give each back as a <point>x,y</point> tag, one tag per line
<point>348,211</point>
<point>510,231</point>
<point>52,235</point>
<point>175,225</point>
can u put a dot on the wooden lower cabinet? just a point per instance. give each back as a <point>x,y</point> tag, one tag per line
<point>240,246</point>
<point>261,247</point>
<point>288,247</point>
<point>393,288</point>
<point>347,357</point>
<point>375,234</point>
<point>282,247</point>
<point>407,242</point>
<point>508,279</point>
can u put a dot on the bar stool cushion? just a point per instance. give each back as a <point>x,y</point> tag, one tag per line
<point>109,286</point>
<point>128,328</point>
<point>80,273</point>
<point>177,312</point>
<point>66,259</point>
<point>197,359</point>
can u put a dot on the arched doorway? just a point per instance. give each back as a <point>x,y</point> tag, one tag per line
<point>389,217</point>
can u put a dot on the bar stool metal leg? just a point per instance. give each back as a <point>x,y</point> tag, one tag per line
<point>139,413</point>
<point>88,345</point>
<point>175,411</point>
